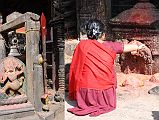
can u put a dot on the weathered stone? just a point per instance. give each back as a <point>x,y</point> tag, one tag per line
<point>12,76</point>
<point>154,90</point>
<point>56,112</point>
<point>70,46</point>
<point>140,23</point>
<point>16,111</point>
<point>34,72</point>
<point>155,78</point>
<point>14,100</point>
<point>38,89</point>
<point>133,80</point>
<point>13,16</point>
<point>129,80</point>
<point>19,22</point>
<point>2,48</point>
<point>1,19</point>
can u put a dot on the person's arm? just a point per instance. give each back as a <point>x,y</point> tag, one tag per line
<point>132,47</point>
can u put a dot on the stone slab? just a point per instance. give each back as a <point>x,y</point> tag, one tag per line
<point>56,112</point>
<point>31,117</point>
<point>16,111</point>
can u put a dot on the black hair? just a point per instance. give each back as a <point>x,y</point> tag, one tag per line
<point>94,29</point>
<point>83,27</point>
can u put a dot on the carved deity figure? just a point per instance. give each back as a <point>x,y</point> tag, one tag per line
<point>11,76</point>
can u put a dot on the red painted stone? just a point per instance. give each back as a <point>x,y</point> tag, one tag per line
<point>139,23</point>
<point>143,13</point>
<point>155,78</point>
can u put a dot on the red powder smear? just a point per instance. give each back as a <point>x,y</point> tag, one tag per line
<point>141,13</point>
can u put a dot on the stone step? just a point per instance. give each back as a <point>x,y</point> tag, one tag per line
<point>56,112</point>
<point>32,117</point>
<point>16,111</point>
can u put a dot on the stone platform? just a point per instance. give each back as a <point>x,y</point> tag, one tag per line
<point>16,111</point>
<point>56,113</point>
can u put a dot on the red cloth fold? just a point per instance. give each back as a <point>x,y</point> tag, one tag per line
<point>91,67</point>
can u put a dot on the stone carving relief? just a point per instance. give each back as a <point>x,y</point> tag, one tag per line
<point>12,79</point>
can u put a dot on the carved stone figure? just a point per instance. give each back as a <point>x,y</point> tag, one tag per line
<point>140,61</point>
<point>12,76</point>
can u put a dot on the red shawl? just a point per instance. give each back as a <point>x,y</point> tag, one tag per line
<point>99,59</point>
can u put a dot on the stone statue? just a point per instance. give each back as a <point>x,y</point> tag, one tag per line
<point>12,76</point>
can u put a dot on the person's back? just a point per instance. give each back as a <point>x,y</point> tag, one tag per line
<point>92,80</point>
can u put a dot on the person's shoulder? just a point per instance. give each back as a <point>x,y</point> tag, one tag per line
<point>108,42</point>
<point>85,41</point>
<point>113,42</point>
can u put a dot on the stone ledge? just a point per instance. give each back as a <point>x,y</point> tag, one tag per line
<point>56,112</point>
<point>16,111</point>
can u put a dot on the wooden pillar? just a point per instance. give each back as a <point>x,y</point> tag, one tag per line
<point>34,71</point>
<point>57,24</point>
<point>53,46</point>
<point>78,17</point>
<point>53,62</point>
<point>107,4</point>
<point>60,47</point>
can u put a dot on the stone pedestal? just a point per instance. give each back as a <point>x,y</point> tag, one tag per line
<point>16,111</point>
<point>139,23</point>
